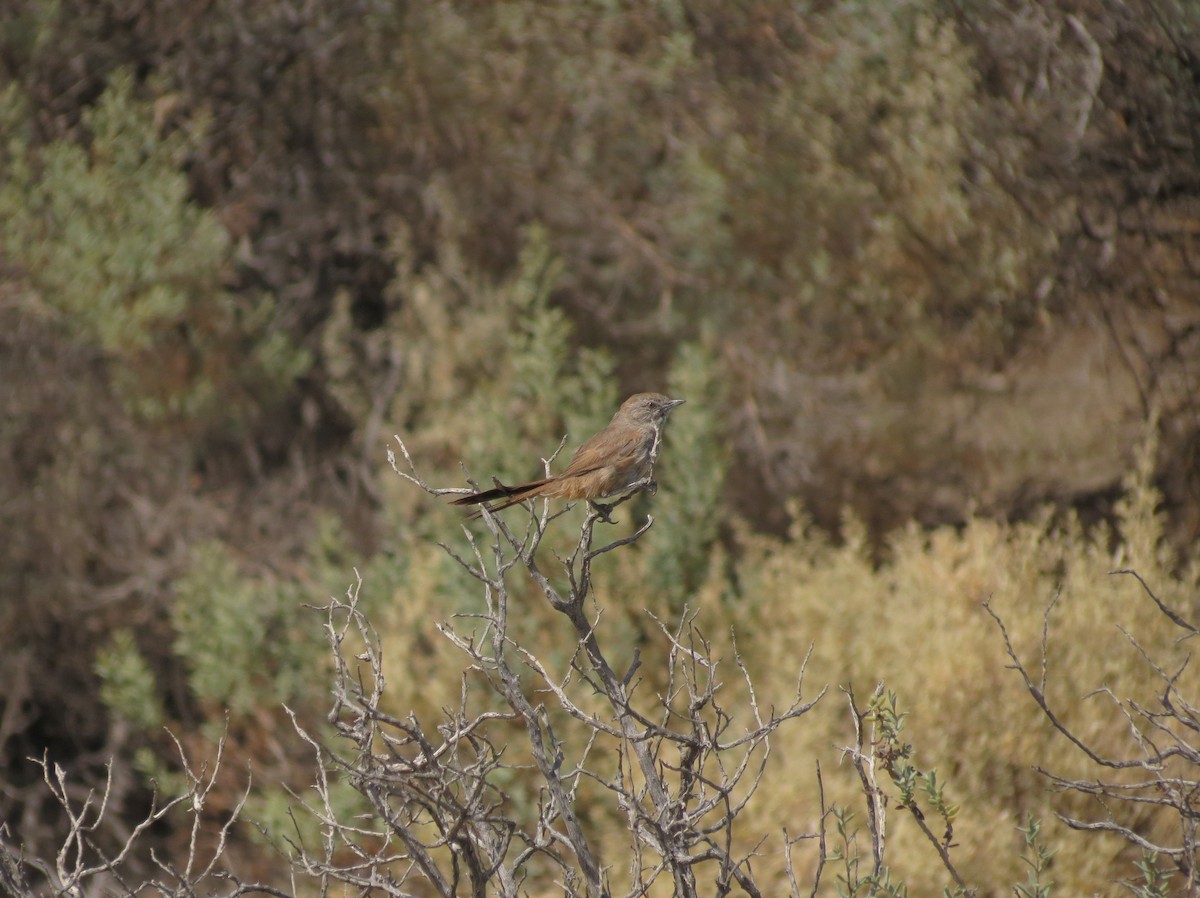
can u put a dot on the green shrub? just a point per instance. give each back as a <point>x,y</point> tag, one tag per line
<point>107,241</point>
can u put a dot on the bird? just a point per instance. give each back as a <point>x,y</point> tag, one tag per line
<point>617,460</point>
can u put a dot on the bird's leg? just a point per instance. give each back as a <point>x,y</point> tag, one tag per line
<point>605,511</point>
<point>646,484</point>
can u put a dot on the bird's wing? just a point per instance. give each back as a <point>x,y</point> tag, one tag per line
<point>603,451</point>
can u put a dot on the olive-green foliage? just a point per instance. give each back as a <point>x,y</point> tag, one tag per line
<point>250,645</point>
<point>795,177</point>
<point>868,145</point>
<point>1155,877</point>
<point>107,241</point>
<point>242,638</point>
<point>1037,858</point>
<point>107,234</point>
<point>690,474</point>
<point>251,639</point>
<point>128,682</point>
<point>247,641</point>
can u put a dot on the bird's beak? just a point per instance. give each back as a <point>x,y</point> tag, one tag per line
<point>674,402</point>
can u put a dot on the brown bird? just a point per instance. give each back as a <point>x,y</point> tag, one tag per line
<point>619,459</point>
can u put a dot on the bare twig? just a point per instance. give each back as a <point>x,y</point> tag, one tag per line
<point>863,760</point>
<point>1163,737</point>
<point>81,866</point>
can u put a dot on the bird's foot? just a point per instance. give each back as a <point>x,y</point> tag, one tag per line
<point>604,512</point>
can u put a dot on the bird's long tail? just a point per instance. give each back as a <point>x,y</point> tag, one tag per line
<point>512,494</point>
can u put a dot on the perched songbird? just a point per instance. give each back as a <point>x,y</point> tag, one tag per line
<point>619,459</point>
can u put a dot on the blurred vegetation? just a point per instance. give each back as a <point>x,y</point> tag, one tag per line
<point>925,272</point>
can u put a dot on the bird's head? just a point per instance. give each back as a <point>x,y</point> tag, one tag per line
<point>647,408</point>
